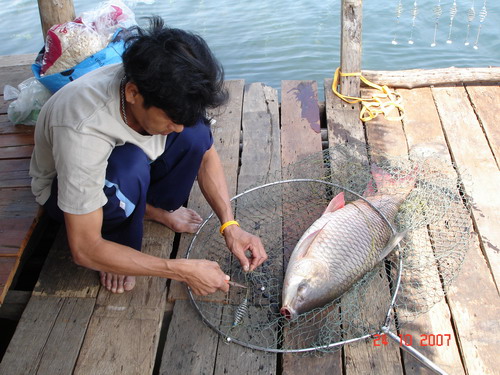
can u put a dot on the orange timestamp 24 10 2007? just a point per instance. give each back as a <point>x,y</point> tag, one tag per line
<point>408,339</point>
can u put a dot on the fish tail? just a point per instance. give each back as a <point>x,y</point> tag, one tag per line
<point>387,183</point>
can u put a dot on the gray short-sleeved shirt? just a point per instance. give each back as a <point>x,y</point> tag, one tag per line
<point>76,131</point>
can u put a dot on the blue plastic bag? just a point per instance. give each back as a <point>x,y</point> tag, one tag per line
<point>110,55</point>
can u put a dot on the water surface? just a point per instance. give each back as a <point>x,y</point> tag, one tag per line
<point>273,40</point>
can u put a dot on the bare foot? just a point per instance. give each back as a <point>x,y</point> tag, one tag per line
<point>182,220</point>
<point>117,283</point>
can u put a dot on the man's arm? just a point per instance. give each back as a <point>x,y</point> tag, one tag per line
<point>214,188</point>
<point>90,250</point>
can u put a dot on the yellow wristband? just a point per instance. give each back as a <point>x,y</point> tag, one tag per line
<point>226,224</point>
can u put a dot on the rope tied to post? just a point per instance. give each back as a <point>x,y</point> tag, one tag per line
<point>380,103</point>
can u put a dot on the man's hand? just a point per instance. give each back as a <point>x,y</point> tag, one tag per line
<point>239,242</point>
<point>203,276</point>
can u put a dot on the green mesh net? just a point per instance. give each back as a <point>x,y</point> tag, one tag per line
<point>408,283</point>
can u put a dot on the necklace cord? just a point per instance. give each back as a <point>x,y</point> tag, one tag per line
<point>123,83</point>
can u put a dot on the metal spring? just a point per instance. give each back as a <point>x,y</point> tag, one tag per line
<point>471,14</point>
<point>399,9</point>
<point>483,13</point>
<point>414,14</point>
<point>453,13</point>
<point>453,10</point>
<point>240,312</point>
<point>438,11</point>
<point>414,11</point>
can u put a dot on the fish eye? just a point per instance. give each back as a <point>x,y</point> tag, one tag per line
<point>302,288</point>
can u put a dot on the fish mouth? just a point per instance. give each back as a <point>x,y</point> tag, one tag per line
<point>288,313</point>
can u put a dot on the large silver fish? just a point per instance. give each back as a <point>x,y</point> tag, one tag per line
<point>340,247</point>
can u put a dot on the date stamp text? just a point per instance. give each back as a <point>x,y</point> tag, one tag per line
<point>421,340</point>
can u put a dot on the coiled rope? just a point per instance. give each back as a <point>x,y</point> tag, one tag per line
<point>380,103</point>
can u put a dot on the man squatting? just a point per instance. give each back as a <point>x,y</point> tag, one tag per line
<point>125,143</point>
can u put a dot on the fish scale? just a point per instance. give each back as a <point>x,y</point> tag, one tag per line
<point>339,248</point>
<point>371,231</point>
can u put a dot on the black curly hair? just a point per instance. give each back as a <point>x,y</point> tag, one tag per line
<point>175,71</point>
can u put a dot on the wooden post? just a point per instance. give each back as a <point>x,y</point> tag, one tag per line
<point>350,49</point>
<point>53,12</point>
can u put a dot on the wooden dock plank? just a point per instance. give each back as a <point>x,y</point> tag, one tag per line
<point>60,277</point>
<point>7,127</point>
<point>475,304</point>
<point>67,333</point>
<point>4,105</point>
<point>21,152</point>
<point>14,173</point>
<point>124,330</point>
<point>17,60</point>
<point>300,118</point>
<point>260,124</point>
<point>344,125</point>
<point>14,304</point>
<point>485,100</point>
<point>117,320</point>
<point>423,130</point>
<point>19,214</point>
<point>130,349</point>
<point>473,157</point>
<point>346,130</point>
<point>48,325</point>
<point>17,202</point>
<point>384,139</point>
<point>16,145</point>
<point>301,137</point>
<point>260,129</point>
<point>194,351</point>
<point>16,140</point>
<point>14,75</point>
<point>475,315</point>
<point>14,232</point>
<point>425,138</point>
<point>194,354</point>
<point>8,264</point>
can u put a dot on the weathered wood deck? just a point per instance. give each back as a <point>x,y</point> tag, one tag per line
<point>18,210</point>
<point>71,325</point>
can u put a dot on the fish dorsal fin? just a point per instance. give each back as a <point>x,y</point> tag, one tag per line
<point>336,203</point>
<point>307,242</point>
<point>393,242</point>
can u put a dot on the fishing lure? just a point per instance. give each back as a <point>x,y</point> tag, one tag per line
<point>240,312</point>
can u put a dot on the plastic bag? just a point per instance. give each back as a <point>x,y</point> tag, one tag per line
<point>108,17</point>
<point>30,97</point>
<point>112,54</point>
<point>68,44</point>
<point>72,42</point>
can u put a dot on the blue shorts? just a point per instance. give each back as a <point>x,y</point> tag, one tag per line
<point>132,180</point>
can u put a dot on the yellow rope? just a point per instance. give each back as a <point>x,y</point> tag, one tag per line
<point>383,103</point>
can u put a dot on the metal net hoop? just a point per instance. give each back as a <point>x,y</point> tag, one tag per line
<point>277,324</point>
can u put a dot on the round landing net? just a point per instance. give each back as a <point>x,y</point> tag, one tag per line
<point>408,283</point>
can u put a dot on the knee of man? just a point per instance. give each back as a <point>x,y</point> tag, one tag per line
<point>128,162</point>
<point>195,140</point>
